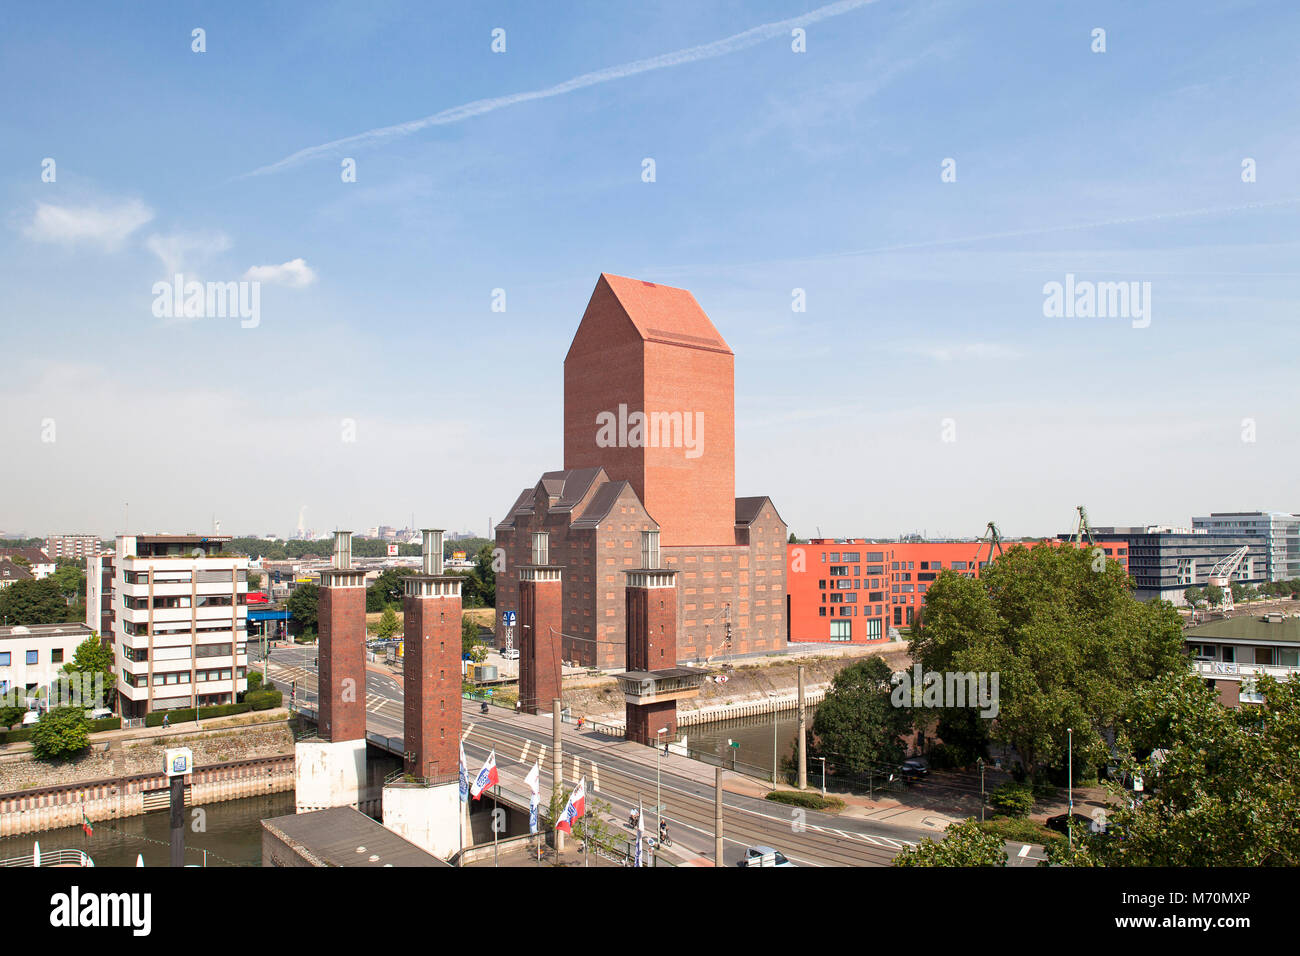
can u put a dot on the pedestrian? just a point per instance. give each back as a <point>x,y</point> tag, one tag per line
<point>665,748</point>
<point>166,720</point>
<point>580,720</point>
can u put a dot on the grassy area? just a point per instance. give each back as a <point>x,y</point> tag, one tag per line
<point>1021,830</point>
<point>808,799</point>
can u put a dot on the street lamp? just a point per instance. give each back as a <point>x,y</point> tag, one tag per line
<point>774,715</point>
<point>659,809</point>
<point>1069,820</point>
<point>823,760</point>
<point>981,763</point>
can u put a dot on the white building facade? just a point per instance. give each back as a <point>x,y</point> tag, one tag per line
<point>179,621</point>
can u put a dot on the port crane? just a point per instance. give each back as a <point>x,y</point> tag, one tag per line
<point>993,538</point>
<point>1221,575</point>
<point>1082,530</point>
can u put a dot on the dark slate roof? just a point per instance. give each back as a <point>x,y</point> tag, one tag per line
<point>602,503</point>
<point>13,572</point>
<point>333,836</point>
<point>569,486</point>
<point>523,505</point>
<point>34,555</point>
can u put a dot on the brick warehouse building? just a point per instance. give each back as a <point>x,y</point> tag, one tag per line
<point>853,590</point>
<point>649,444</point>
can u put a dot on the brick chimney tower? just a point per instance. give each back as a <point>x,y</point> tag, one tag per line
<point>653,683</point>
<point>431,614</point>
<point>541,605</point>
<point>341,613</point>
<point>330,770</point>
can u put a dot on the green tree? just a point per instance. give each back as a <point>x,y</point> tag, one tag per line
<point>963,844</point>
<point>469,631</point>
<point>93,658</point>
<point>1065,637</point>
<point>857,725</point>
<point>387,589</point>
<point>388,623</point>
<point>33,602</point>
<point>71,579</point>
<point>1213,595</point>
<point>10,714</point>
<point>1193,595</point>
<point>303,603</point>
<point>478,653</point>
<point>60,733</point>
<point>254,581</point>
<point>254,681</point>
<point>1219,784</point>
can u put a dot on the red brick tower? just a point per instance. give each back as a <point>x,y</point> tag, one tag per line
<point>431,614</point>
<point>341,613</point>
<point>541,612</point>
<point>653,683</point>
<point>649,396</point>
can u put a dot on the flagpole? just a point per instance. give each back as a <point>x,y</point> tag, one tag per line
<point>495,790</point>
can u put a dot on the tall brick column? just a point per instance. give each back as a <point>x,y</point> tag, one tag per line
<point>341,613</point>
<point>541,607</point>
<point>431,613</point>
<point>651,604</point>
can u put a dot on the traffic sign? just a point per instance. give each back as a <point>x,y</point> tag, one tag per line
<point>509,619</point>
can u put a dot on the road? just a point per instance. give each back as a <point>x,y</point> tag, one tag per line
<point>625,777</point>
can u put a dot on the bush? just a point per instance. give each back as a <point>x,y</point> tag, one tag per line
<point>1020,830</point>
<point>1012,799</point>
<point>60,733</point>
<point>184,714</point>
<point>254,682</point>
<point>264,700</point>
<point>807,798</point>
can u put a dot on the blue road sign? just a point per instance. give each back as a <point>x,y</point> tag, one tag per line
<point>510,619</point>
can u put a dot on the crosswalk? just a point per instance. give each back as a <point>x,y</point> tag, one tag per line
<point>878,841</point>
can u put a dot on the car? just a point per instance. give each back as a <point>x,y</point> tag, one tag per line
<point>1060,823</point>
<point>99,713</point>
<point>764,856</point>
<point>510,654</point>
<point>915,768</point>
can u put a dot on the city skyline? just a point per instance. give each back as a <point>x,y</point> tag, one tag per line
<point>927,364</point>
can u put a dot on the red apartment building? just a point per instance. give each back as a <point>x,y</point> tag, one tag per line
<point>853,591</point>
<point>649,445</point>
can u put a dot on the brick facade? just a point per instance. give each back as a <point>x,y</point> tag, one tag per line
<point>650,347</point>
<point>541,608</point>
<point>341,618</point>
<point>431,613</point>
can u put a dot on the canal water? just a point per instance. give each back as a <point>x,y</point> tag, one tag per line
<point>753,734</point>
<point>231,833</point>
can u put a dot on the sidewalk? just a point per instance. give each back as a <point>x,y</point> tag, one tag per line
<point>211,725</point>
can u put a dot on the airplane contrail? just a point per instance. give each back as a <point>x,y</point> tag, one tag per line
<point>455,114</point>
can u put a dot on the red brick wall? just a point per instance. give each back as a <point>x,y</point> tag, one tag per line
<point>431,684</point>
<point>643,721</point>
<point>651,628</point>
<point>541,609</point>
<point>341,614</point>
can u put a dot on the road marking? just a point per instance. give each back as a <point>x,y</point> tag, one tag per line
<point>595,777</point>
<point>1024,851</point>
<point>465,735</point>
<point>523,754</point>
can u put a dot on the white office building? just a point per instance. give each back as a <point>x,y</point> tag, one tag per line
<point>1280,529</point>
<point>179,610</point>
<point>33,655</point>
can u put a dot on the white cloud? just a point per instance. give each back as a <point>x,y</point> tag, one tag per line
<point>295,273</point>
<point>107,225</point>
<point>176,251</point>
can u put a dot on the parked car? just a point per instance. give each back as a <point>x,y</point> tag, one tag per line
<point>764,856</point>
<point>1060,823</point>
<point>915,768</point>
<point>510,654</point>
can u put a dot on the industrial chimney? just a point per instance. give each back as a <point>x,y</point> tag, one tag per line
<point>432,551</point>
<point>342,560</point>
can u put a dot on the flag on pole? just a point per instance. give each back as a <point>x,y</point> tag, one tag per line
<point>487,777</point>
<point>534,781</point>
<point>574,809</point>
<point>464,776</point>
<point>85,821</point>
<point>640,833</point>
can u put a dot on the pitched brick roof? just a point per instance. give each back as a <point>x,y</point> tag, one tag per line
<point>33,555</point>
<point>13,572</point>
<point>662,313</point>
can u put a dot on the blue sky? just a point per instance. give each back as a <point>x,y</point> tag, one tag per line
<point>775,170</point>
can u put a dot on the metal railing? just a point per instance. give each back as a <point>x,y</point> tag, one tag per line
<point>61,857</point>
